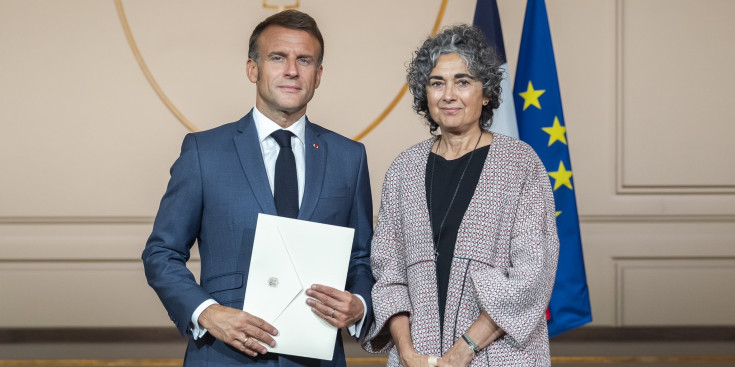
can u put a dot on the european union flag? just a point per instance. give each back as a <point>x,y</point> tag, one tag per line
<point>541,124</point>
<point>487,19</point>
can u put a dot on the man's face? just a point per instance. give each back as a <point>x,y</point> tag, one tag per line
<point>286,74</point>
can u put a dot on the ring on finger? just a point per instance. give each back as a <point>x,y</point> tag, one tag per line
<point>332,313</point>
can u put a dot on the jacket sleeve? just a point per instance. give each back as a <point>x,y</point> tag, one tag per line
<point>174,231</point>
<point>516,297</point>
<point>390,293</point>
<point>360,280</point>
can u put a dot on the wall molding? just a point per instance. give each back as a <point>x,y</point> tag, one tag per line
<point>583,218</point>
<point>621,188</point>
<point>652,264</point>
<point>170,334</point>
<point>142,219</point>
<point>646,218</point>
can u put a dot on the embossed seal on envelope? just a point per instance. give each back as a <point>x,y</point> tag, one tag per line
<point>273,282</point>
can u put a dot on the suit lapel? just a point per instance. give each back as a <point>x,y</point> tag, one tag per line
<point>316,160</point>
<point>251,159</point>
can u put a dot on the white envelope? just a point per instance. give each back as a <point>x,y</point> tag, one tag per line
<point>290,255</point>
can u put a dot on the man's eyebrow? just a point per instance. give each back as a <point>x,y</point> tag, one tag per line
<point>436,77</point>
<point>285,54</point>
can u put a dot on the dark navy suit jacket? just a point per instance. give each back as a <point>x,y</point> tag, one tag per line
<point>217,188</point>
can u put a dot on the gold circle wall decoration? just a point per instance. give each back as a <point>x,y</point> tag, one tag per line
<point>192,128</point>
<point>148,75</point>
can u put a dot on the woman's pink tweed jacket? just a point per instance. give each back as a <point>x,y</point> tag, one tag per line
<point>504,261</point>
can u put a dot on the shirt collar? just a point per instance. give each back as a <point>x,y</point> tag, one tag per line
<point>266,126</point>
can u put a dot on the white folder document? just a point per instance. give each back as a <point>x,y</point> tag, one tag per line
<point>290,255</point>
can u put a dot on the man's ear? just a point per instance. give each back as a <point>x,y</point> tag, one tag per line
<point>318,77</point>
<point>251,67</point>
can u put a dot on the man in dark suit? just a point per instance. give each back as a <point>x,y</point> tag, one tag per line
<point>272,161</point>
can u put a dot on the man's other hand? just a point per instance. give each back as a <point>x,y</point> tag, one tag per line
<point>338,308</point>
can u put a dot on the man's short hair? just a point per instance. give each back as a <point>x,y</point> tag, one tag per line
<point>291,19</point>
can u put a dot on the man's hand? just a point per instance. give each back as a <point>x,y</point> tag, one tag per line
<point>239,329</point>
<point>340,309</point>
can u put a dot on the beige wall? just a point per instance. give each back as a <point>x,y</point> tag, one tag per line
<point>86,143</point>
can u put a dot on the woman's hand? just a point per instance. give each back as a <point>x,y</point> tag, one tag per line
<point>460,355</point>
<point>483,332</point>
<point>400,331</point>
<point>413,359</point>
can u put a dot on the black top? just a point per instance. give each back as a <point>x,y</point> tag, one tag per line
<point>446,176</point>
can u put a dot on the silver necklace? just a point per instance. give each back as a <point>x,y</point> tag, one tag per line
<point>451,202</point>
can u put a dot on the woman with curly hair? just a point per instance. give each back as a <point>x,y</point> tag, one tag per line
<point>465,249</point>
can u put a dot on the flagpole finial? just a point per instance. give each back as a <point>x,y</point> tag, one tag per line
<point>280,8</point>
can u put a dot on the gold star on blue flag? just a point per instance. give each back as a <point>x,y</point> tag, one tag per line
<point>541,124</point>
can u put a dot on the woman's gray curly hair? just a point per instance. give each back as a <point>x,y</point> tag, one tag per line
<point>482,63</point>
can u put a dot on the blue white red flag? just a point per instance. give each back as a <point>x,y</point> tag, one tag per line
<point>487,19</point>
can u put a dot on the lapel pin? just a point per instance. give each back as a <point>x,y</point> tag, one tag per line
<point>316,146</point>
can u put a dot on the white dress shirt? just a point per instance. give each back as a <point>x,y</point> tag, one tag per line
<point>270,148</point>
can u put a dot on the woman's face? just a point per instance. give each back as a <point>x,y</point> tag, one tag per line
<point>455,97</point>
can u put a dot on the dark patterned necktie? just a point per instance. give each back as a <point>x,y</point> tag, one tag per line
<point>286,187</point>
